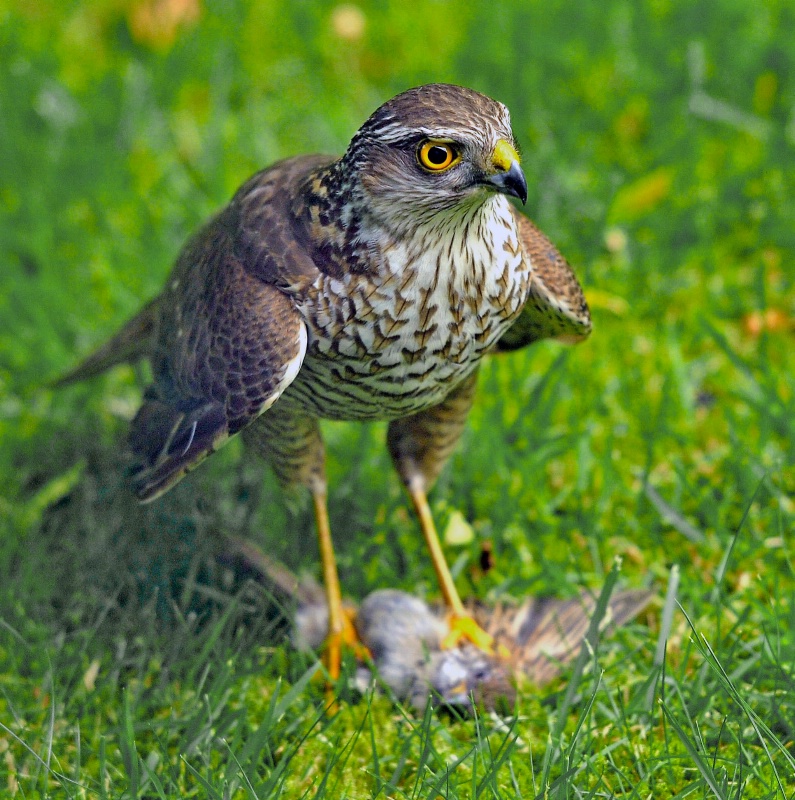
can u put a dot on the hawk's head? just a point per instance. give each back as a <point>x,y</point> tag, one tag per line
<point>435,148</point>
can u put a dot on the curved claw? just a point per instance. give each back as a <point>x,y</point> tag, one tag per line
<point>464,628</point>
<point>345,639</point>
<point>348,639</point>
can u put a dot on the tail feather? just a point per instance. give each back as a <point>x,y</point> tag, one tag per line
<point>132,343</point>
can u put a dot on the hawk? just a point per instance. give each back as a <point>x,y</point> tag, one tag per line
<point>368,287</point>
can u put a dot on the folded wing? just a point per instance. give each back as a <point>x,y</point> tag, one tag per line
<point>556,307</point>
<point>228,344</point>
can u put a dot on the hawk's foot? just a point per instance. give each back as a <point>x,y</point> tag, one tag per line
<point>345,639</point>
<point>463,628</point>
<point>338,641</point>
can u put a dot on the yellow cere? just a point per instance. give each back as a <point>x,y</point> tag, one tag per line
<point>504,155</point>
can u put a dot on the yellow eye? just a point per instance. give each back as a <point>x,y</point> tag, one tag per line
<point>437,156</point>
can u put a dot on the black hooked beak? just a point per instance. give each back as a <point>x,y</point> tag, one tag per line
<point>511,181</point>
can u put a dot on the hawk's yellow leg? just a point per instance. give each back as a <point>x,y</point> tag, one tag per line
<point>462,625</point>
<point>341,632</point>
<point>290,440</point>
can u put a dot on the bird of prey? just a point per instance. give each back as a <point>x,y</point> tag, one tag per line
<point>360,288</point>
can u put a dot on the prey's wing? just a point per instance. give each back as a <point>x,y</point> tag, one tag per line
<point>544,634</point>
<point>556,306</point>
<point>229,339</point>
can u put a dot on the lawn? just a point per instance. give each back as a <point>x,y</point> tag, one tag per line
<point>659,143</point>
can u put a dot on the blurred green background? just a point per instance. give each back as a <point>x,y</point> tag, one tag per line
<point>658,138</point>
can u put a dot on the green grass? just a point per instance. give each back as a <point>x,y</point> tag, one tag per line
<point>659,142</point>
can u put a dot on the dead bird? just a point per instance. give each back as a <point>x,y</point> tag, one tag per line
<point>405,637</point>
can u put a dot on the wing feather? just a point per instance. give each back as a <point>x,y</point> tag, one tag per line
<point>229,338</point>
<point>556,307</point>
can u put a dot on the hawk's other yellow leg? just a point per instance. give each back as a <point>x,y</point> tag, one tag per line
<point>420,445</point>
<point>462,625</point>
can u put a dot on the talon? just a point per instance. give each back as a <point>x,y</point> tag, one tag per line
<point>345,639</point>
<point>464,628</point>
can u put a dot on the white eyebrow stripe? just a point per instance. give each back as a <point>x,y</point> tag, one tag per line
<point>396,132</point>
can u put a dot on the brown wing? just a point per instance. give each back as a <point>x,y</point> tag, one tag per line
<point>556,307</point>
<point>229,339</point>
<point>544,634</point>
